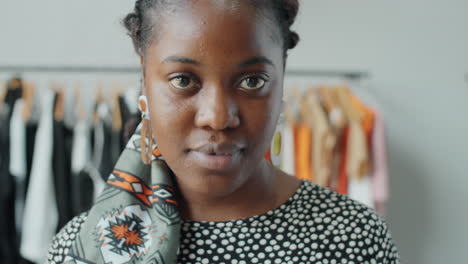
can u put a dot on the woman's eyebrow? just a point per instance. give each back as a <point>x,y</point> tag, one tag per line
<point>247,63</point>
<point>180,59</point>
<point>256,60</point>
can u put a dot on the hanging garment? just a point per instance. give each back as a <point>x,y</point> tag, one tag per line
<point>135,210</point>
<point>131,96</point>
<point>126,115</point>
<point>359,183</point>
<point>302,147</point>
<point>86,179</point>
<point>18,166</point>
<point>89,183</point>
<point>82,190</point>
<point>61,167</point>
<point>31,130</point>
<point>115,147</point>
<point>103,141</point>
<point>342,187</point>
<point>40,213</point>
<point>337,121</point>
<point>380,192</point>
<point>288,149</point>
<point>8,248</point>
<point>13,94</point>
<point>361,190</point>
<point>357,152</point>
<point>361,187</point>
<point>323,141</point>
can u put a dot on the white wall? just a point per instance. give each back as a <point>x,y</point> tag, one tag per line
<point>415,50</point>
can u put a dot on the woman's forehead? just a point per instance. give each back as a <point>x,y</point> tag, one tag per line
<point>216,29</point>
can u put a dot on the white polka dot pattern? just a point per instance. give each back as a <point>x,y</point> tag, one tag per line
<point>64,239</point>
<point>314,226</point>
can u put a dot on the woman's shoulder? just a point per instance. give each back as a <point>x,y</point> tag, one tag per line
<point>348,224</point>
<point>64,239</point>
<point>326,205</point>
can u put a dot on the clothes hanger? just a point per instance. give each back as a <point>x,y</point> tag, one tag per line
<point>344,97</point>
<point>80,112</point>
<point>29,89</point>
<point>59,105</point>
<point>15,84</point>
<point>99,100</point>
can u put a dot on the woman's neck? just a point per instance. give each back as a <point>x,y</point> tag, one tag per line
<point>265,189</point>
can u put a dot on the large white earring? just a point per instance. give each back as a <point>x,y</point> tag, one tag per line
<point>277,143</point>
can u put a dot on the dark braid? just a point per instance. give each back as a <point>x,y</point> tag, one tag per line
<point>140,25</point>
<point>288,9</point>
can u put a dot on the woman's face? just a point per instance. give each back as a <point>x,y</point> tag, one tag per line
<point>213,78</point>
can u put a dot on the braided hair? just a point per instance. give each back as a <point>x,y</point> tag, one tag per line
<point>140,26</point>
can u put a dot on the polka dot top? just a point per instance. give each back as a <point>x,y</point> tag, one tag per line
<point>315,225</point>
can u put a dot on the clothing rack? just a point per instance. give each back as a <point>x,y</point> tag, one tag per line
<point>353,75</point>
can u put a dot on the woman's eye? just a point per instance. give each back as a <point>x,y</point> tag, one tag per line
<point>252,83</point>
<point>182,82</point>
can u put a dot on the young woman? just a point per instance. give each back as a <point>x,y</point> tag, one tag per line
<point>212,91</point>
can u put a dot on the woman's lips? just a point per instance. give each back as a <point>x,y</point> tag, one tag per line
<point>216,156</point>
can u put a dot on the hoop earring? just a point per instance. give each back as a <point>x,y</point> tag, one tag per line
<point>145,142</point>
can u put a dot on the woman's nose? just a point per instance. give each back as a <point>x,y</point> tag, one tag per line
<point>217,109</point>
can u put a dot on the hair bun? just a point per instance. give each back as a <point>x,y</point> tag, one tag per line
<point>132,23</point>
<point>293,40</point>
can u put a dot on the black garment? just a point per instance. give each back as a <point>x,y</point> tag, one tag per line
<point>126,115</point>
<point>84,189</point>
<point>116,146</point>
<point>8,239</point>
<point>10,98</point>
<point>61,166</point>
<point>106,164</point>
<point>31,129</point>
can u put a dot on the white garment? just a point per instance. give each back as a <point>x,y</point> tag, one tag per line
<point>98,182</point>
<point>361,190</point>
<point>81,149</point>
<point>81,156</point>
<point>131,96</point>
<point>288,150</point>
<point>18,158</point>
<point>380,188</point>
<point>40,213</point>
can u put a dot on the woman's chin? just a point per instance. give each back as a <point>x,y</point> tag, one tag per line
<point>214,183</point>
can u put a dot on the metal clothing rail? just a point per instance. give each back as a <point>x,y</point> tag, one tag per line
<point>133,70</point>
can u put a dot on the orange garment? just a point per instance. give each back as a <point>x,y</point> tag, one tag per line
<point>367,123</point>
<point>368,119</point>
<point>303,150</point>
<point>342,187</point>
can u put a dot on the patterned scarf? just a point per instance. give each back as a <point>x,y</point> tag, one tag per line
<point>135,219</point>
